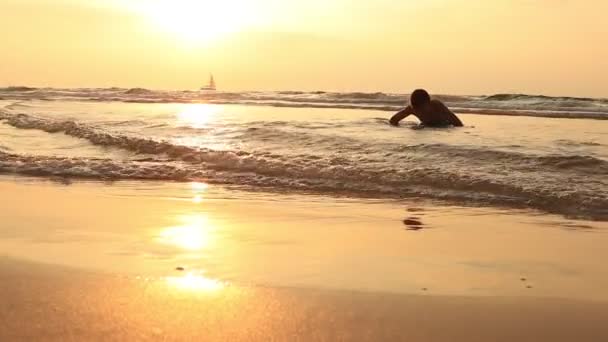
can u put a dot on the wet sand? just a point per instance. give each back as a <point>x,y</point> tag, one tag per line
<point>149,261</point>
<point>45,303</point>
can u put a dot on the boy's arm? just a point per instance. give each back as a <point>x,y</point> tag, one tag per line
<point>402,114</point>
<point>454,120</point>
<point>450,116</point>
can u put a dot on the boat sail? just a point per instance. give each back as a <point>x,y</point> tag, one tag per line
<point>211,86</point>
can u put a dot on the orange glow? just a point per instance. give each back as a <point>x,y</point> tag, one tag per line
<point>197,21</point>
<point>446,46</point>
<point>196,115</point>
<point>194,234</point>
<point>198,189</point>
<point>198,186</point>
<point>195,281</point>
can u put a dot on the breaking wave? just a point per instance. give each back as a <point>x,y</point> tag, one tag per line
<point>384,170</point>
<point>499,104</point>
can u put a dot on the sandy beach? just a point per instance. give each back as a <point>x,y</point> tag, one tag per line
<point>47,303</point>
<point>149,261</point>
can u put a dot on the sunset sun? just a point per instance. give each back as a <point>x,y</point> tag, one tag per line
<point>198,20</point>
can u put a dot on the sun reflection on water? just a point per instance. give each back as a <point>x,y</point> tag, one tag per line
<point>198,186</point>
<point>190,118</point>
<point>194,234</point>
<point>198,189</point>
<point>195,281</point>
<point>197,115</point>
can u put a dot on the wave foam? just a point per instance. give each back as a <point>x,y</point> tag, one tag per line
<point>499,104</point>
<point>526,180</point>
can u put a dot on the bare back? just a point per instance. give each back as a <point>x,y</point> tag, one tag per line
<point>437,115</point>
<point>433,114</point>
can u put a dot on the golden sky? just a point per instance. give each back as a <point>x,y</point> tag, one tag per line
<point>555,47</point>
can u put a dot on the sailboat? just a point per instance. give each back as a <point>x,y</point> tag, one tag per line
<point>211,86</point>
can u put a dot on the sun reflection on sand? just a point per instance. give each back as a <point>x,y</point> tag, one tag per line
<point>195,281</point>
<point>197,115</point>
<point>195,233</point>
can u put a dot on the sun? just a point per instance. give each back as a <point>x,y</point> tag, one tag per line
<point>199,20</point>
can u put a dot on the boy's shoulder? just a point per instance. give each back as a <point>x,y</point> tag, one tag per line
<point>438,104</point>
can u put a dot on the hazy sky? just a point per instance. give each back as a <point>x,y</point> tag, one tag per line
<point>555,47</point>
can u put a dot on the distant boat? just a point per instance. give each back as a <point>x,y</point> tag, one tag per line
<point>211,86</point>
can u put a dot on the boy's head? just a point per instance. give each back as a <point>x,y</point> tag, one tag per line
<point>420,99</point>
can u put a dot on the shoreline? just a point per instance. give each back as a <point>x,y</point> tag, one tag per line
<point>150,229</point>
<point>147,261</point>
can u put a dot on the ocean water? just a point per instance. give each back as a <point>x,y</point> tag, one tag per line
<point>519,151</point>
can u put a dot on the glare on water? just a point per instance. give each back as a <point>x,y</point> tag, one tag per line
<point>193,234</point>
<point>195,281</point>
<point>197,115</point>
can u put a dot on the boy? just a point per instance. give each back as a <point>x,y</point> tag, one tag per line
<point>431,113</point>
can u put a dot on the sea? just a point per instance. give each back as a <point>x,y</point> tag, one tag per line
<point>540,153</point>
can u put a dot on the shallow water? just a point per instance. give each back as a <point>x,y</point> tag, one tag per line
<point>556,165</point>
<point>208,237</point>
